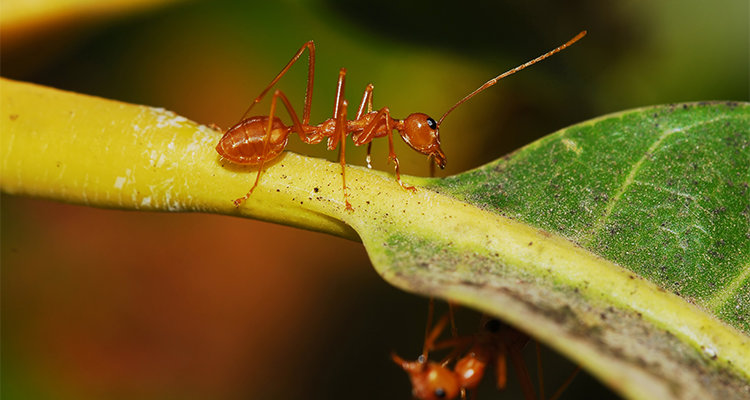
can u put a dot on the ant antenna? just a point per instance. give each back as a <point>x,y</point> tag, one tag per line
<point>512,71</point>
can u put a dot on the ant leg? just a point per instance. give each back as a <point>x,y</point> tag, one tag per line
<point>451,310</point>
<point>430,313</point>
<point>311,138</point>
<point>342,138</point>
<point>392,154</point>
<point>338,107</point>
<point>366,102</point>
<point>310,80</point>
<point>501,366</point>
<point>340,131</point>
<point>306,112</point>
<point>266,141</point>
<point>454,333</point>
<point>369,159</point>
<point>541,377</point>
<point>523,373</point>
<point>433,335</point>
<point>368,134</point>
<point>539,369</point>
<point>459,344</point>
<point>565,384</point>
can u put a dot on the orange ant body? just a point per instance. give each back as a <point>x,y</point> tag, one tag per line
<point>492,345</point>
<point>255,140</point>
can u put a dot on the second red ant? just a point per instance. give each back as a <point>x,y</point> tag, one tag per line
<point>491,346</point>
<point>255,140</point>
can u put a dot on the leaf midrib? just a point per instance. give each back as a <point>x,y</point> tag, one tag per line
<point>605,218</point>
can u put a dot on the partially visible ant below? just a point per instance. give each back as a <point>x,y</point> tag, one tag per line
<point>491,346</point>
<point>255,140</point>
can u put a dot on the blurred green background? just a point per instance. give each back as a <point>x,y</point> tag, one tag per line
<point>124,305</point>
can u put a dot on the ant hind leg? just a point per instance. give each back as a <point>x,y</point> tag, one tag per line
<point>267,140</point>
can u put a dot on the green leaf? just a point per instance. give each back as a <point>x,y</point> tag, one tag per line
<point>629,231</point>
<point>621,242</point>
<point>660,191</point>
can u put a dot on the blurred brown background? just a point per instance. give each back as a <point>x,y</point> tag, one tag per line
<point>125,305</point>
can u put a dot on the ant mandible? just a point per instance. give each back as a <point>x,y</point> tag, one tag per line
<point>494,342</point>
<point>255,140</point>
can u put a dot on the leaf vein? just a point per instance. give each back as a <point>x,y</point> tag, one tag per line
<point>630,180</point>
<point>721,297</point>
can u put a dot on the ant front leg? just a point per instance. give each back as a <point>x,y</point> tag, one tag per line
<point>370,132</point>
<point>392,152</point>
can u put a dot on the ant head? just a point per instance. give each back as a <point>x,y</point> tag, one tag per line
<point>422,133</point>
<point>429,380</point>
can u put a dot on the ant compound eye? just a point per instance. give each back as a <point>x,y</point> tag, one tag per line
<point>440,393</point>
<point>431,122</point>
<point>492,325</point>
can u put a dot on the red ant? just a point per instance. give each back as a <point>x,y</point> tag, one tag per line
<point>255,140</point>
<point>490,346</point>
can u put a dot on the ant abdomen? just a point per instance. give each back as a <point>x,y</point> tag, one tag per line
<point>244,143</point>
